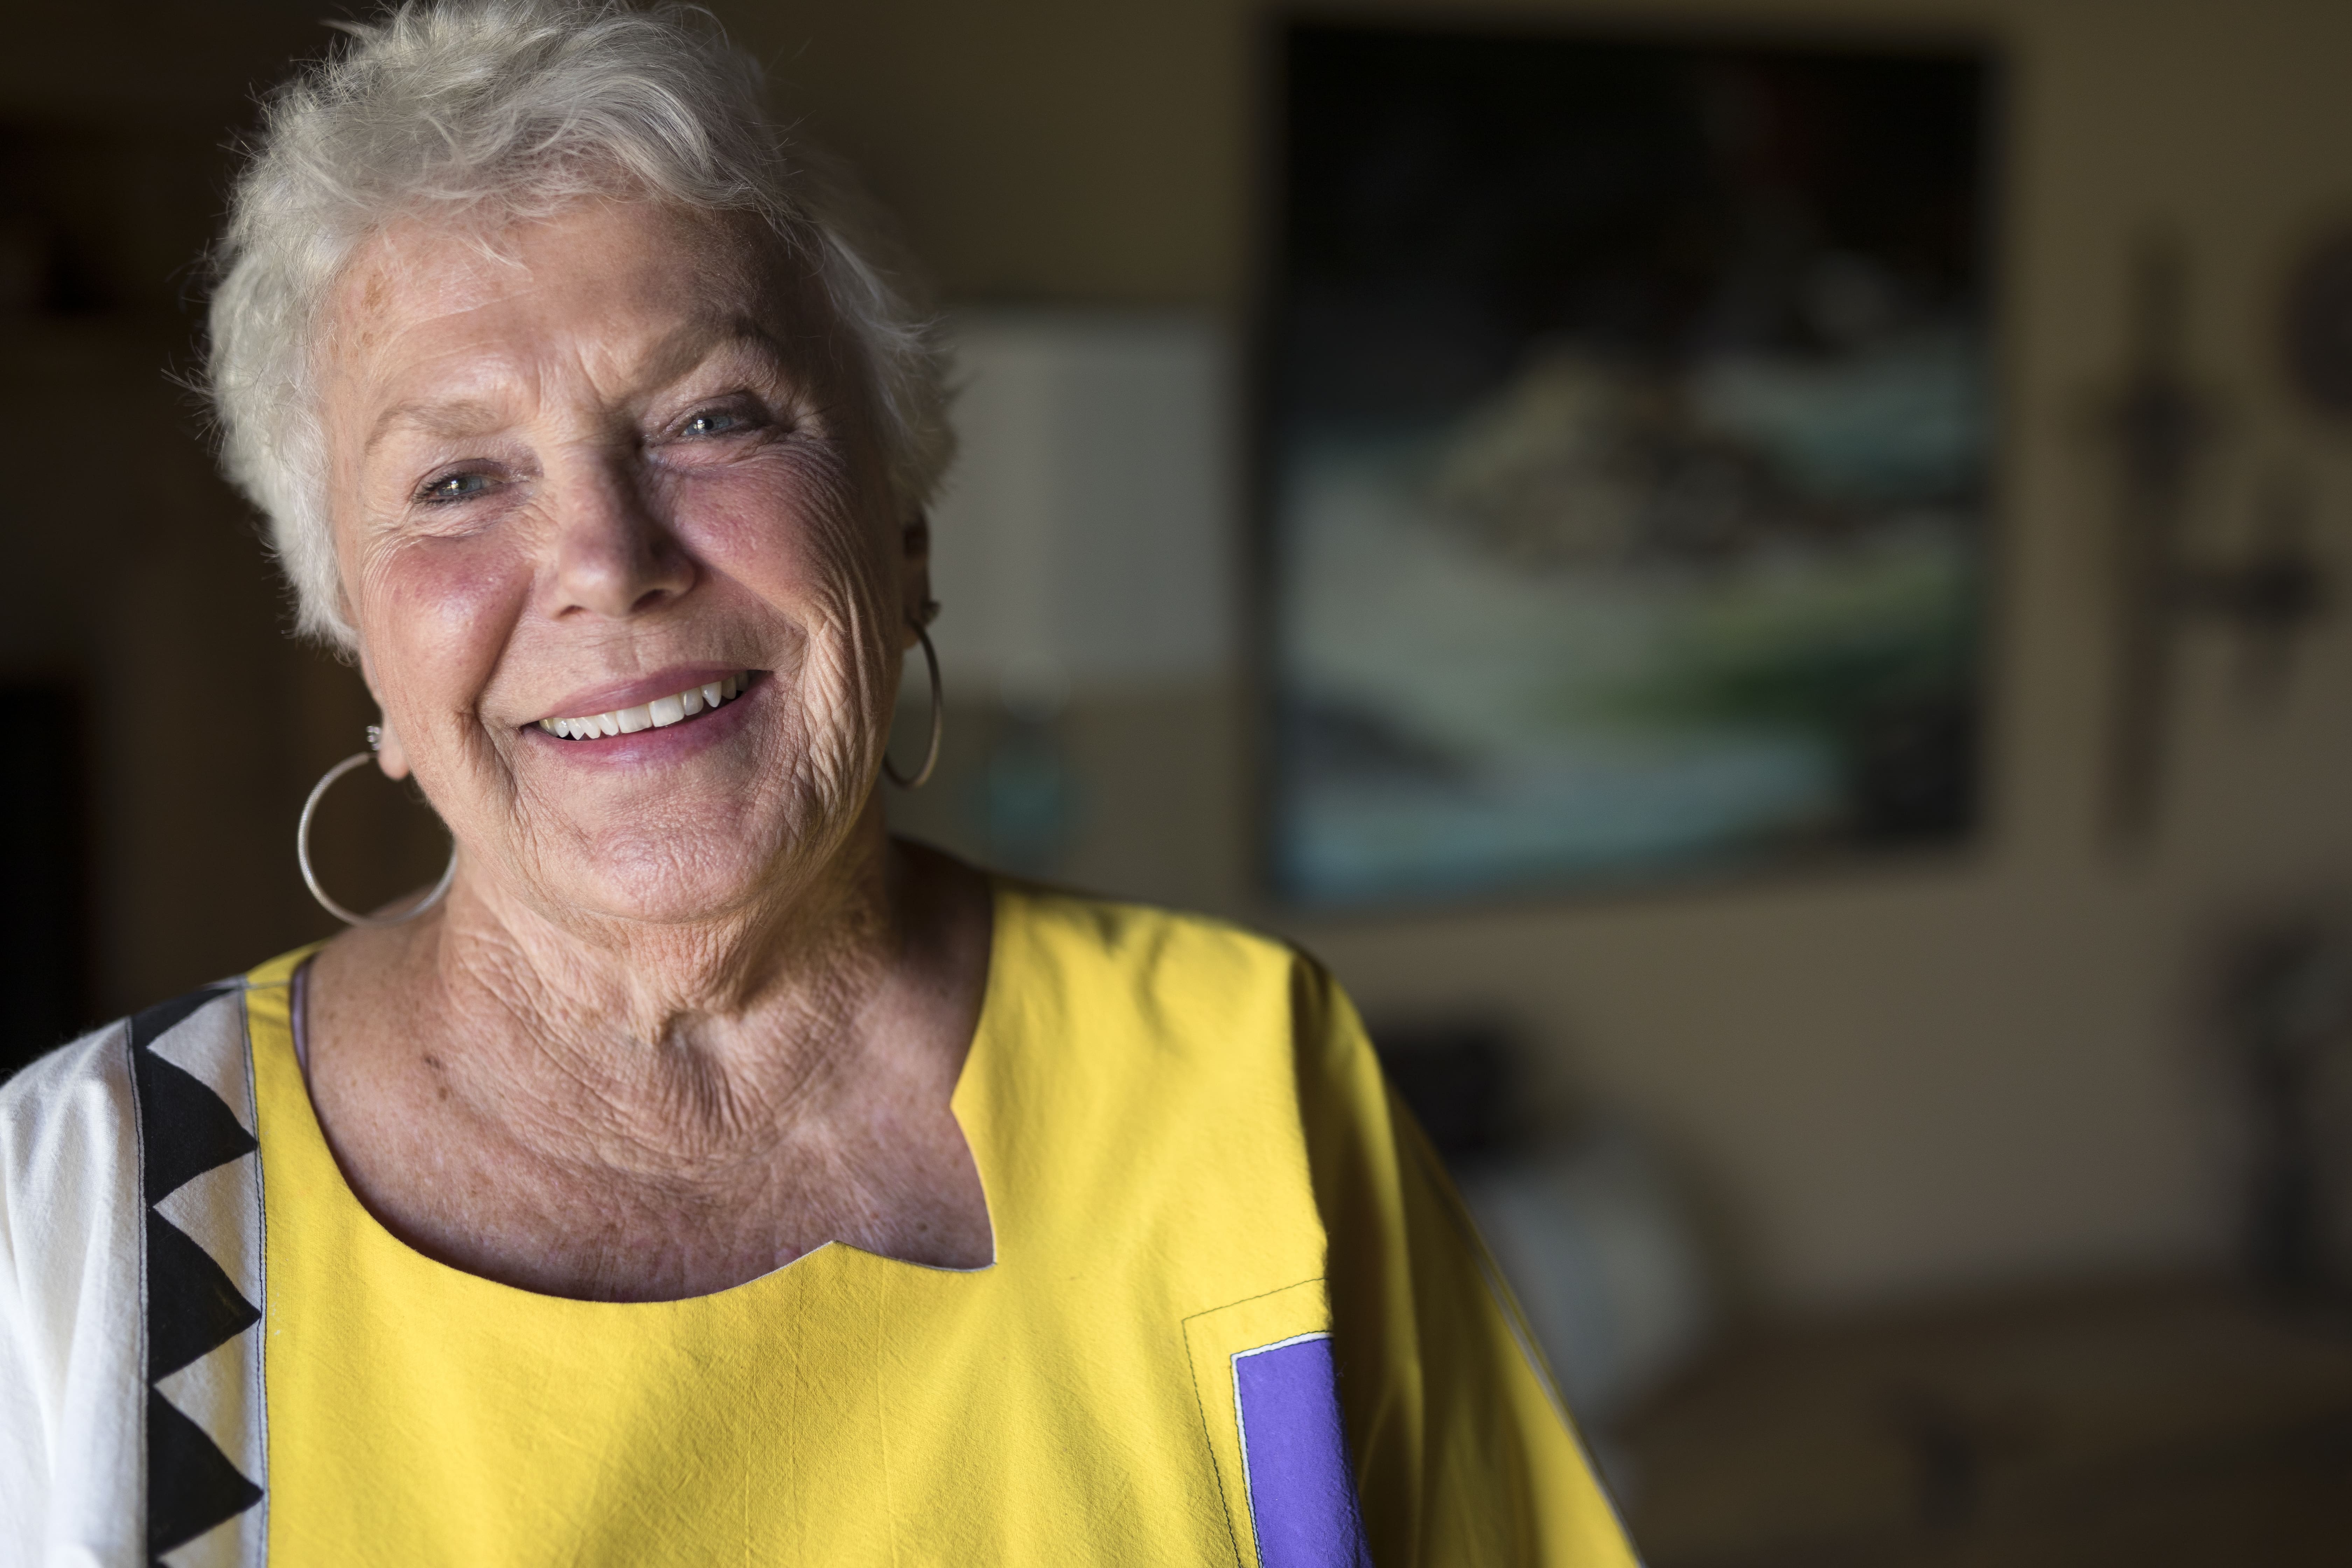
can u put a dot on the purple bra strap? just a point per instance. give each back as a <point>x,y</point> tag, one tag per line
<point>301,1035</point>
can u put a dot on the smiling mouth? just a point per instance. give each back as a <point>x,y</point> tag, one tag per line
<point>659,714</point>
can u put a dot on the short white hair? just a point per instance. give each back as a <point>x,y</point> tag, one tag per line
<point>496,110</point>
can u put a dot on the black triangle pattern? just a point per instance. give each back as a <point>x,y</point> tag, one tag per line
<point>152,1024</point>
<point>191,1485</point>
<point>193,1307</point>
<point>185,1128</point>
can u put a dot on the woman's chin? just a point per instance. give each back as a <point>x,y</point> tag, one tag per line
<point>663,883</point>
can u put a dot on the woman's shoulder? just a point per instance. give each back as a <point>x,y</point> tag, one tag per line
<point>72,1121</point>
<point>1219,993</point>
<point>76,1097</point>
<point>1080,937</point>
<point>112,1243</point>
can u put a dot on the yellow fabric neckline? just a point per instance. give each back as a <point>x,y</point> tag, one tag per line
<point>291,1134</point>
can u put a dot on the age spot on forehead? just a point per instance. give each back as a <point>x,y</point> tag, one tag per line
<point>356,303</point>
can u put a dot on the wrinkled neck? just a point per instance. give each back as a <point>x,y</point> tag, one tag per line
<point>666,1038</point>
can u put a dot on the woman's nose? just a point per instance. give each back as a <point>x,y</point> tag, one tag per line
<point>613,556</point>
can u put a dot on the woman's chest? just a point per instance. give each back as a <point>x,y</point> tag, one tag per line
<point>1157,1246</point>
<point>1078,1400</point>
<point>847,1410</point>
<point>619,1211</point>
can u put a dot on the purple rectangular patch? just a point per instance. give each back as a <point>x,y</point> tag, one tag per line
<point>1302,1492</point>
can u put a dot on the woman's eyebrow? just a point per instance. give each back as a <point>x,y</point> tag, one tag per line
<point>732,338</point>
<point>682,354</point>
<point>438,417</point>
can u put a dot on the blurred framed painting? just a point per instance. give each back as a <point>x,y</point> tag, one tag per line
<point>1625,446</point>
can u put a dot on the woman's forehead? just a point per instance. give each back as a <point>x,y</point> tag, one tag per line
<point>609,284</point>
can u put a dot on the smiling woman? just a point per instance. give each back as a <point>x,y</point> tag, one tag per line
<point>704,1175</point>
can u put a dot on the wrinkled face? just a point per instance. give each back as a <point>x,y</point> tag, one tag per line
<point>615,532</point>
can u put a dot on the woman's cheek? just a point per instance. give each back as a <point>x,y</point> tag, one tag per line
<point>446,606</point>
<point>791,531</point>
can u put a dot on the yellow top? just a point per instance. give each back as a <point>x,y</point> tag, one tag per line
<point>1203,1201</point>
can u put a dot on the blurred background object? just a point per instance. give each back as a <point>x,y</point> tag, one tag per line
<point>1083,553</point>
<point>1971,1206</point>
<point>1582,1212</point>
<point>2285,1019</point>
<point>1628,443</point>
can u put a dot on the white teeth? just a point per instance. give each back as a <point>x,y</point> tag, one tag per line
<point>658,713</point>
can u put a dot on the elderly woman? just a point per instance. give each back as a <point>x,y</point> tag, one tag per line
<point>699,1176</point>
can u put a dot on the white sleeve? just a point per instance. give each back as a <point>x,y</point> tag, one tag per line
<point>24,1444</point>
<point>71,1399</point>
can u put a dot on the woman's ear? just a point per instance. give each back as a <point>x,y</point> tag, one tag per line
<point>389,754</point>
<point>919,607</point>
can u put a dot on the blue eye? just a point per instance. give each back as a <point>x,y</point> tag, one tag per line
<point>454,486</point>
<point>712,423</point>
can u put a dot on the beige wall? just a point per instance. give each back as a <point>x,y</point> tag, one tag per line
<point>1910,1075</point>
<point>1944,1071</point>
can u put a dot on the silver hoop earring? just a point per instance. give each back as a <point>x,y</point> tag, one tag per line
<point>938,712</point>
<point>310,878</point>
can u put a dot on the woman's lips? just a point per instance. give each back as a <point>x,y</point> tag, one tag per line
<point>657,713</point>
<point>655,745</point>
